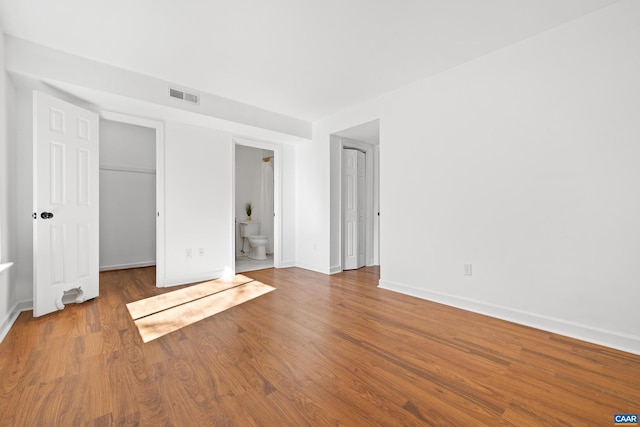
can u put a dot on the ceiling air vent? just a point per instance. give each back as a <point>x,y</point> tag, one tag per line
<point>184,96</point>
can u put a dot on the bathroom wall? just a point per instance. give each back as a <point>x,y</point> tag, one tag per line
<point>127,195</point>
<point>248,186</point>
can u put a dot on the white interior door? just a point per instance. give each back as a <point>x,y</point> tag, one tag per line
<point>350,209</point>
<point>65,224</point>
<point>353,206</point>
<point>361,197</point>
<point>376,205</point>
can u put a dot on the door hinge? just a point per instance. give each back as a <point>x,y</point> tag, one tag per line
<point>35,215</point>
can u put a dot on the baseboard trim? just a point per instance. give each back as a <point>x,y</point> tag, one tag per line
<point>287,264</point>
<point>335,269</point>
<point>315,268</point>
<point>125,266</point>
<point>15,311</point>
<point>607,338</point>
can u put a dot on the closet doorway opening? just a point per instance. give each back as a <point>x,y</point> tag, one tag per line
<point>130,193</point>
<point>256,201</point>
<point>359,200</point>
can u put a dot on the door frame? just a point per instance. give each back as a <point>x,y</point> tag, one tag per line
<point>160,207</point>
<point>277,195</point>
<point>376,205</point>
<point>370,197</point>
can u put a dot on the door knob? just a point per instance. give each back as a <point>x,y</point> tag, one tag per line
<point>46,215</point>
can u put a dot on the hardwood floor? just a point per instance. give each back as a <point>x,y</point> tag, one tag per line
<point>319,350</point>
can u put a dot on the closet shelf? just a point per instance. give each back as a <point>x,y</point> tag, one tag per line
<point>133,169</point>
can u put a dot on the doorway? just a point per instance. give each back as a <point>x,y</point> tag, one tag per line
<point>127,196</point>
<point>365,139</point>
<point>131,193</point>
<point>256,189</point>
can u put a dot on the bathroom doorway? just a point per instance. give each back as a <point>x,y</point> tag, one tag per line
<point>256,231</point>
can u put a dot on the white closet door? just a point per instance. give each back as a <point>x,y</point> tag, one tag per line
<point>361,210</point>
<point>353,206</point>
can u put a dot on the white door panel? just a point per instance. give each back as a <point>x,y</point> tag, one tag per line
<point>65,221</point>
<point>353,209</point>
<point>350,211</point>
<point>361,210</point>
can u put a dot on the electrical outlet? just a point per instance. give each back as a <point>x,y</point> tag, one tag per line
<point>201,251</point>
<point>189,253</point>
<point>467,269</point>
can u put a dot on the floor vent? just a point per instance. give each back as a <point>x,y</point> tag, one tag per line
<point>184,96</point>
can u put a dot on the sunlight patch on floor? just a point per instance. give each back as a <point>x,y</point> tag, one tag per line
<point>162,314</point>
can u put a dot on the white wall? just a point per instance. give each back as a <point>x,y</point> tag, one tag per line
<point>335,182</point>
<point>248,178</point>
<point>197,203</point>
<point>523,163</point>
<point>24,193</point>
<point>289,187</point>
<point>312,207</point>
<point>7,201</point>
<point>127,195</point>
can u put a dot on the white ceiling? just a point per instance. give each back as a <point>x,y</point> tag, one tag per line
<point>306,59</point>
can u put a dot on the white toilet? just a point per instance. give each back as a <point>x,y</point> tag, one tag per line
<point>258,247</point>
<point>257,243</point>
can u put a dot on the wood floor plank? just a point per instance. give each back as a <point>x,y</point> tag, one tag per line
<point>161,323</point>
<point>157,303</point>
<point>322,350</point>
